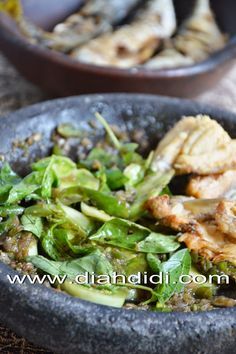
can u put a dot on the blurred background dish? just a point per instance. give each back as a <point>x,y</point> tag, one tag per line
<point>60,74</point>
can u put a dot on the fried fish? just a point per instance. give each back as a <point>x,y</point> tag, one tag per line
<point>94,18</point>
<point>196,145</point>
<point>167,59</point>
<point>200,35</point>
<point>212,186</point>
<point>206,226</point>
<point>134,43</point>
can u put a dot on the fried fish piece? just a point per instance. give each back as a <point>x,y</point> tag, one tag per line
<point>170,146</point>
<point>211,162</point>
<point>196,145</point>
<point>94,18</point>
<point>167,59</point>
<point>181,213</point>
<point>200,35</point>
<point>114,11</point>
<point>226,218</point>
<point>134,43</point>
<point>197,38</point>
<point>212,186</point>
<point>204,224</point>
<point>210,243</point>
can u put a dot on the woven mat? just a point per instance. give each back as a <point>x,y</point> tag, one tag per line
<point>15,93</point>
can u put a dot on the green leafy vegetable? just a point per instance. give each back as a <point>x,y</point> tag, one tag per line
<point>64,215</point>
<point>151,186</point>
<point>115,179</point>
<point>99,158</point>
<point>154,263</point>
<point>8,179</point>
<point>134,174</point>
<point>109,203</point>
<point>81,223</point>
<point>53,169</point>
<point>95,263</point>
<point>158,243</point>
<point>50,246</point>
<point>82,219</point>
<point>67,130</point>
<point>94,213</point>
<point>12,223</point>
<point>178,265</point>
<point>30,184</point>
<point>79,177</point>
<point>10,210</point>
<point>60,244</point>
<point>32,224</point>
<point>125,234</point>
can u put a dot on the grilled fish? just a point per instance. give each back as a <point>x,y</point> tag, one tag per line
<point>135,43</point>
<point>200,35</point>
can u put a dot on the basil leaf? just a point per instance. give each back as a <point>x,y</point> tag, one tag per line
<point>62,166</point>
<point>11,223</point>
<point>53,168</point>
<point>51,248</point>
<point>115,179</point>
<point>128,235</point>
<point>178,265</point>
<point>26,187</point>
<point>154,262</point>
<point>32,224</point>
<point>99,158</point>
<point>61,244</point>
<point>70,243</point>
<point>8,178</point>
<point>79,177</point>
<point>120,233</point>
<point>10,210</point>
<point>158,243</point>
<point>95,263</point>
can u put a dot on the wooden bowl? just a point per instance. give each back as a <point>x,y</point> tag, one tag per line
<point>60,75</point>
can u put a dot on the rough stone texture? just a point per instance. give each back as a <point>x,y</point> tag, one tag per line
<point>15,92</point>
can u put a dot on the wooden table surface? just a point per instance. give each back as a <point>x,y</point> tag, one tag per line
<point>15,92</point>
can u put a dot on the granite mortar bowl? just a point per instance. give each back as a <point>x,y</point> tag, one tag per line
<point>60,75</point>
<point>65,324</point>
